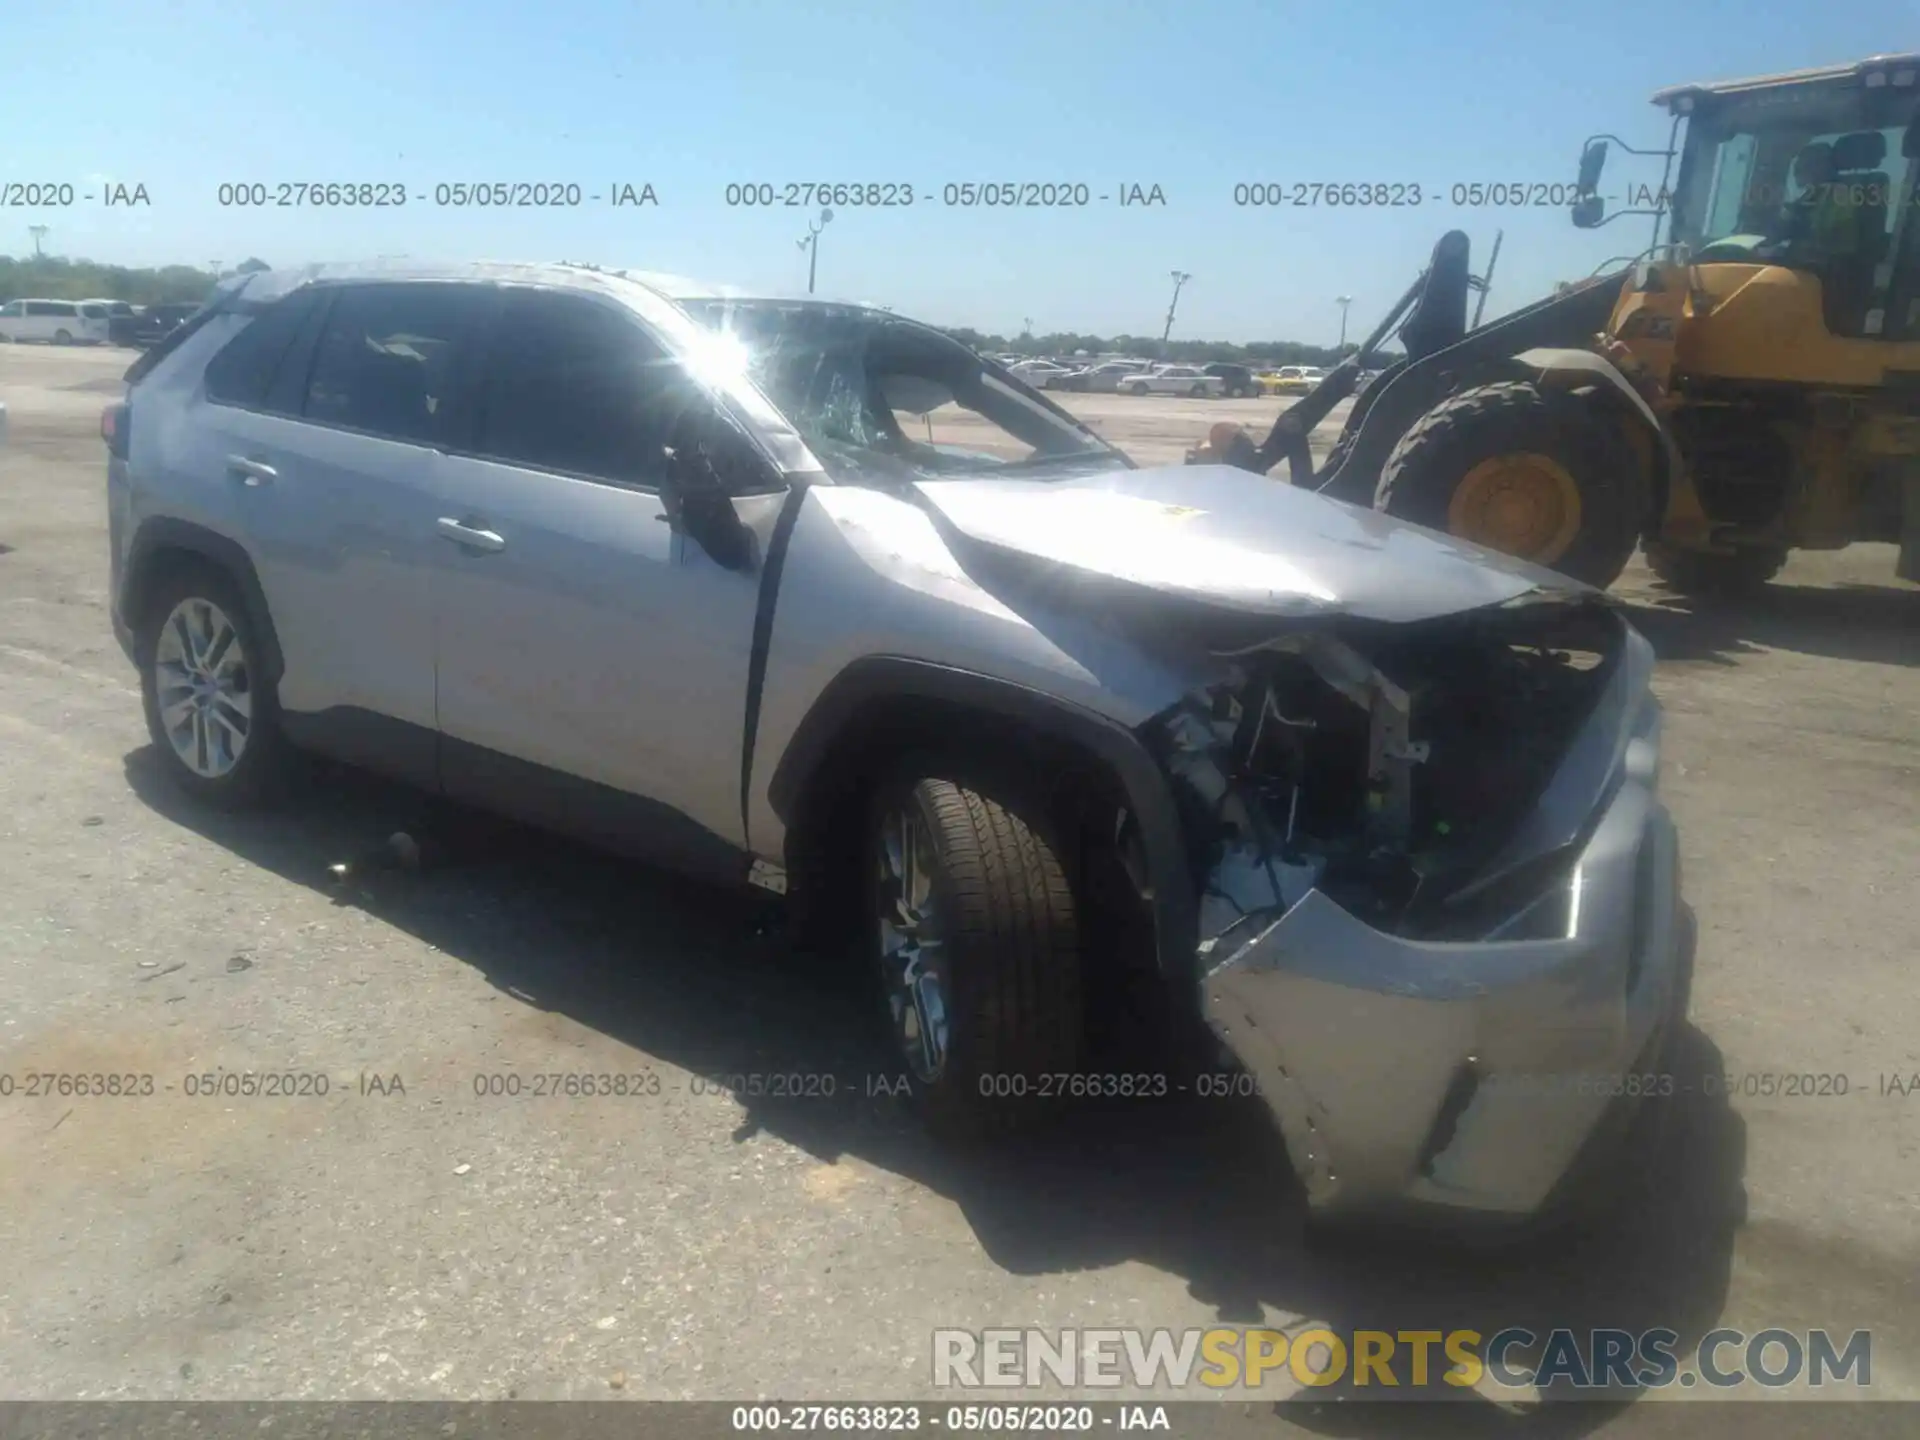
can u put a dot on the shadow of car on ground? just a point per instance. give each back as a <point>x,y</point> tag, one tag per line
<point>1199,1189</point>
<point>1879,624</point>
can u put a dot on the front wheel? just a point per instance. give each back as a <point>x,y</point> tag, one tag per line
<point>1723,577</point>
<point>1198,392</point>
<point>976,941</point>
<point>1541,475</point>
<point>63,337</point>
<point>1137,389</point>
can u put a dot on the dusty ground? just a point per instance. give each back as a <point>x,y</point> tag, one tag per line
<point>434,1243</point>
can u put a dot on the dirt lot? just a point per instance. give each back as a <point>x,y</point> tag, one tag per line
<point>403,1235</point>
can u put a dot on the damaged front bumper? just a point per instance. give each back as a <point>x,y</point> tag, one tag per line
<point>1465,1077</point>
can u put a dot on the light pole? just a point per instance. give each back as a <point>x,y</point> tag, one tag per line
<point>1180,277</point>
<point>812,245</point>
<point>39,233</point>
<point>1343,301</point>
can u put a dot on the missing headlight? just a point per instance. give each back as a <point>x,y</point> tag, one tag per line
<point>1383,768</point>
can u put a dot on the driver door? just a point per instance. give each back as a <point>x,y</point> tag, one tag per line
<point>592,663</point>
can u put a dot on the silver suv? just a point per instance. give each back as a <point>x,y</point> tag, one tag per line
<point>809,594</point>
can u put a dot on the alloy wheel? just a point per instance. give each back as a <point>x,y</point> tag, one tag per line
<point>912,947</point>
<point>203,686</point>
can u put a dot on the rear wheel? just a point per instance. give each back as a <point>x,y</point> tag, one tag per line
<point>1698,572</point>
<point>63,337</point>
<point>976,941</point>
<point>1538,474</point>
<point>210,712</point>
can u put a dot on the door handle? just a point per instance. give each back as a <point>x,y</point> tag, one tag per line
<point>470,537</point>
<point>251,472</point>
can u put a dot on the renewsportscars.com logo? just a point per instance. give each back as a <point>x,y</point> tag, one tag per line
<point>1385,1360</point>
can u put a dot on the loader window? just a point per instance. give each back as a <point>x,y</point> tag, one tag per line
<point>1816,183</point>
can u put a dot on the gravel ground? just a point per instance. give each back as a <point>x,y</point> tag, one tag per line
<point>403,1236</point>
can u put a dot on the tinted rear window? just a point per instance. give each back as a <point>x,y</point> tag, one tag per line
<point>243,371</point>
<point>386,362</point>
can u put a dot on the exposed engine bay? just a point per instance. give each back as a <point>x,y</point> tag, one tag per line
<point>1384,765</point>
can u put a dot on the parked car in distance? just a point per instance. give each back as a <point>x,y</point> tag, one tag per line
<point>1041,374</point>
<point>1239,382</point>
<point>51,322</point>
<point>457,522</point>
<point>1174,380</point>
<point>1105,377</point>
<point>155,323</point>
<point>96,322</point>
<point>1292,379</point>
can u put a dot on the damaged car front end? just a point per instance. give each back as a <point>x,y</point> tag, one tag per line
<point>1438,895</point>
<point>1386,801</point>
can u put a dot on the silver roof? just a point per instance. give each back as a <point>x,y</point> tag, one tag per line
<point>562,274</point>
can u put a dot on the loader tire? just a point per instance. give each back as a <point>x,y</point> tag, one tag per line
<point>1540,474</point>
<point>1710,576</point>
<point>995,904</point>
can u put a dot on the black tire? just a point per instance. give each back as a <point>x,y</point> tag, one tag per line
<point>1139,390</point>
<point>1696,572</point>
<point>1010,942</point>
<point>1514,416</point>
<point>259,773</point>
<point>62,337</point>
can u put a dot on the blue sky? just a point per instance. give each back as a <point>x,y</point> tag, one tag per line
<point>1193,97</point>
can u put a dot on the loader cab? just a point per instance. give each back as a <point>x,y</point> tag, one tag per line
<point>1812,171</point>
<point>1816,177</point>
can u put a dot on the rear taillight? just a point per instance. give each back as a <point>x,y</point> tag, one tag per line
<point>114,429</point>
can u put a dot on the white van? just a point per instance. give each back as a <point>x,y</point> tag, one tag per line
<point>96,321</point>
<point>54,322</point>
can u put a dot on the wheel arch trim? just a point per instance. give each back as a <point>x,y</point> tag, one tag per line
<point>162,535</point>
<point>877,679</point>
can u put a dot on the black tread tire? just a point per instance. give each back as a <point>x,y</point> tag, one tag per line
<point>1013,940</point>
<point>260,776</point>
<point>1697,572</point>
<point>1418,480</point>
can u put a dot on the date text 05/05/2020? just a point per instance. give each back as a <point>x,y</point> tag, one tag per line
<point>444,195</point>
<point>1404,194</point>
<point>953,195</point>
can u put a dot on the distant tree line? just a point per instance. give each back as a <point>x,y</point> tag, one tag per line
<point>55,277</point>
<point>1186,352</point>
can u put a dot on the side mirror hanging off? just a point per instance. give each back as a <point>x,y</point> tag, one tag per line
<point>1593,160</point>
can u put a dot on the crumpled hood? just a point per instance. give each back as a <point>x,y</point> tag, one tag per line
<point>1231,538</point>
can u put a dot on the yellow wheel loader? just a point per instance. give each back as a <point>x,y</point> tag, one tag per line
<point>1747,386</point>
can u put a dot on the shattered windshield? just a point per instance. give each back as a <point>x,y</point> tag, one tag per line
<point>878,397</point>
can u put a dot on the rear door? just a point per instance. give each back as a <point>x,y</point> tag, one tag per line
<point>325,433</point>
<point>93,323</point>
<point>592,663</point>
